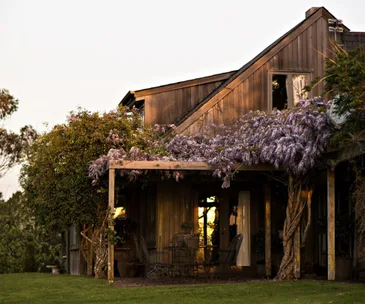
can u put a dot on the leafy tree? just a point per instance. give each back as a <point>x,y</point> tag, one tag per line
<point>345,75</point>
<point>24,246</point>
<point>55,177</point>
<point>12,145</point>
<point>345,83</point>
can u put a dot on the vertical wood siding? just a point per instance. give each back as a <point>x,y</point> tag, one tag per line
<point>305,53</point>
<point>176,203</point>
<point>168,107</point>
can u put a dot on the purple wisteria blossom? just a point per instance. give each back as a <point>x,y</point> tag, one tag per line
<point>294,139</point>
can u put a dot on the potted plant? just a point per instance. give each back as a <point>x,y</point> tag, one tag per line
<point>186,230</point>
<point>187,227</point>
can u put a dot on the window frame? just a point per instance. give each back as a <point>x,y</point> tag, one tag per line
<point>289,74</point>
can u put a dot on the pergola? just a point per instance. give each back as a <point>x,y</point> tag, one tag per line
<point>202,166</point>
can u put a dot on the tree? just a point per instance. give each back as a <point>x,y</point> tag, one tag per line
<point>12,146</point>
<point>345,80</point>
<point>55,177</point>
<point>24,246</point>
<point>345,83</point>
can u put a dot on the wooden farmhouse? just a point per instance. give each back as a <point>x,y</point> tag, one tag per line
<point>235,231</point>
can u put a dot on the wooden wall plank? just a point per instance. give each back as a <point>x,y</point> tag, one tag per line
<point>267,192</point>
<point>176,103</point>
<point>331,224</point>
<point>294,59</point>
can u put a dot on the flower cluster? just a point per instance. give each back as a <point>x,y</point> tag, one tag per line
<point>294,139</point>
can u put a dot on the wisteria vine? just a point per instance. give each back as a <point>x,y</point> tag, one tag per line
<point>294,139</point>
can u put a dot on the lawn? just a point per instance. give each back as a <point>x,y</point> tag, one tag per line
<point>46,288</point>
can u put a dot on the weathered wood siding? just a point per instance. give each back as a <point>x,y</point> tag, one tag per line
<point>176,203</point>
<point>168,107</point>
<point>304,53</point>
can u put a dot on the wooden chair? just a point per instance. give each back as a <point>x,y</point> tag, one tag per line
<point>230,255</point>
<point>157,268</point>
<point>226,257</point>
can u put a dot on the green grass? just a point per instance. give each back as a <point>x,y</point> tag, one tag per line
<point>46,288</point>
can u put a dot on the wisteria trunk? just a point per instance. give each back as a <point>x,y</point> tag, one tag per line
<point>101,255</point>
<point>299,197</point>
<point>95,236</point>
<point>87,249</point>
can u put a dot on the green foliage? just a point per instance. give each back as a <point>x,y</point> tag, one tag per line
<point>12,145</point>
<point>55,177</point>
<point>8,104</point>
<point>24,246</point>
<point>345,74</point>
<point>345,80</point>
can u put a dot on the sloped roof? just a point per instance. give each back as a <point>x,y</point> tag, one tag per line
<point>131,95</point>
<point>225,87</point>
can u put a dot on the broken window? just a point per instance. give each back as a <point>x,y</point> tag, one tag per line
<point>279,92</point>
<point>288,89</point>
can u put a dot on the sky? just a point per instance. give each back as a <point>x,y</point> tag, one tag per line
<point>56,56</point>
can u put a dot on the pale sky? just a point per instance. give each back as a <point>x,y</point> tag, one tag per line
<point>58,55</point>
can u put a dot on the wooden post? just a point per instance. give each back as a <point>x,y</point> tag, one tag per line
<point>331,223</point>
<point>267,231</point>
<point>111,208</point>
<point>223,227</point>
<point>297,253</point>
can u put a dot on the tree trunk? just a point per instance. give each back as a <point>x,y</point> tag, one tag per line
<point>95,237</point>
<point>299,197</point>
<point>87,249</point>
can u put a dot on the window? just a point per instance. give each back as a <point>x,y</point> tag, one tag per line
<point>287,89</point>
<point>139,105</point>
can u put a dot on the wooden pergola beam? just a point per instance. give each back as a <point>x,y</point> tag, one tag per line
<point>179,165</point>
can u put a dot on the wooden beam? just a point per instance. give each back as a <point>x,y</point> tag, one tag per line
<point>331,223</point>
<point>111,209</point>
<point>179,165</point>
<point>267,231</point>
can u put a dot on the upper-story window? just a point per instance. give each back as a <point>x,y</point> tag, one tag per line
<point>287,89</point>
<point>140,106</point>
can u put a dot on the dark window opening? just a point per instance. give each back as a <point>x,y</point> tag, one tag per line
<point>279,92</point>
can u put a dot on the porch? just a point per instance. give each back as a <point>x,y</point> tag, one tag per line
<point>253,206</point>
